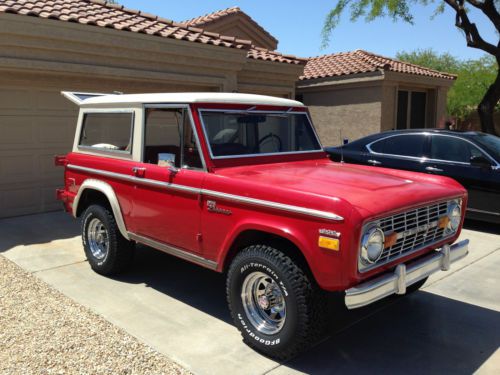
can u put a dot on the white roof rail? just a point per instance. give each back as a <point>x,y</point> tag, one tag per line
<point>79,97</point>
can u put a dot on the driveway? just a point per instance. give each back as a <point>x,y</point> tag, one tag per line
<point>452,326</point>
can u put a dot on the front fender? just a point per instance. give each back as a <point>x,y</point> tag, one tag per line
<point>325,265</point>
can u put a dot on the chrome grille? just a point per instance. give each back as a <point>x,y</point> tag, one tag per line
<point>416,229</point>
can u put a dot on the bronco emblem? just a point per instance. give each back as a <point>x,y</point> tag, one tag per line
<point>212,207</point>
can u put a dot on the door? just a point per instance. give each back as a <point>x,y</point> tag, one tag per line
<point>402,151</point>
<point>451,156</point>
<point>165,205</point>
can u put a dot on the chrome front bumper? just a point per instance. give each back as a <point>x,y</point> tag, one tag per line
<point>405,275</point>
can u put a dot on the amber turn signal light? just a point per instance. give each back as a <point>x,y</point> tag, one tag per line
<point>390,240</point>
<point>443,222</point>
<point>329,243</point>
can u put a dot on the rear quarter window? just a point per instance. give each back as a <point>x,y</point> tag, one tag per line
<point>402,145</point>
<point>107,132</point>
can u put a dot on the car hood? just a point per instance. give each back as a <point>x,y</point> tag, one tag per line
<point>325,185</point>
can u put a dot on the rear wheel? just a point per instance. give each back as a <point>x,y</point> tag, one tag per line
<point>277,309</point>
<point>107,251</point>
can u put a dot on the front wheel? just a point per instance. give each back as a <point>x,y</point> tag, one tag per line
<point>273,303</point>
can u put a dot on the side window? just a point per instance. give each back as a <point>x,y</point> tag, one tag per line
<point>164,130</point>
<point>403,145</point>
<point>453,149</point>
<point>107,131</point>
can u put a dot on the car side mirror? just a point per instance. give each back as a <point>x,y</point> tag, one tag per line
<point>480,161</point>
<point>345,141</point>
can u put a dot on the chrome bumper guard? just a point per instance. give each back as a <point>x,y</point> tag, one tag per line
<point>405,275</point>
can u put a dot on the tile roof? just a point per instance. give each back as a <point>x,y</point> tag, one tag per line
<point>359,61</point>
<point>114,16</point>
<point>258,53</point>
<point>220,14</point>
<point>104,14</point>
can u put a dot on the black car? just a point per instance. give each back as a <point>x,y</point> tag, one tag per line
<point>471,158</point>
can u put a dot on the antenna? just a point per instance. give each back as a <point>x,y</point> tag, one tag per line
<point>341,147</point>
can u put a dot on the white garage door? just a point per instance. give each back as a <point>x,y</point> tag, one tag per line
<point>35,125</point>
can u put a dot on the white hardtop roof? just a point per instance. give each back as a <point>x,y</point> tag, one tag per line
<point>90,99</point>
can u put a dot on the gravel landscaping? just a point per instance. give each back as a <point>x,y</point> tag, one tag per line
<point>44,332</point>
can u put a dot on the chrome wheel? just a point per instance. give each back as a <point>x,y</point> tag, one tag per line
<point>98,239</point>
<point>264,303</point>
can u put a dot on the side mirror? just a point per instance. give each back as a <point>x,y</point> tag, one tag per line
<point>345,141</point>
<point>480,161</point>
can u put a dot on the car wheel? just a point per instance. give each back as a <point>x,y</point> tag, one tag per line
<point>415,287</point>
<point>277,309</point>
<point>107,251</point>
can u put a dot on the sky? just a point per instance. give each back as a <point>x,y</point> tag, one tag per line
<point>297,24</point>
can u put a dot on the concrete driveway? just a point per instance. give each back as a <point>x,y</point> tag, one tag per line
<point>452,326</point>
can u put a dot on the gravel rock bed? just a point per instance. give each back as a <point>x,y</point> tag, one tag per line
<point>44,332</point>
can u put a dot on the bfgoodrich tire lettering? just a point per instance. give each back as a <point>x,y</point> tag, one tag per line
<point>295,319</point>
<point>107,251</point>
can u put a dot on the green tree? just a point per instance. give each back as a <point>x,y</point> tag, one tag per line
<point>401,10</point>
<point>474,77</point>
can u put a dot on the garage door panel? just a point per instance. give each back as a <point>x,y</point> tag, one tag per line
<point>47,167</point>
<point>17,167</point>
<point>49,201</point>
<point>16,130</point>
<point>20,199</point>
<point>56,129</point>
<point>11,98</point>
<point>27,167</point>
<point>50,100</point>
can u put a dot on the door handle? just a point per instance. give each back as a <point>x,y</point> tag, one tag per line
<point>374,162</point>
<point>433,169</point>
<point>138,171</point>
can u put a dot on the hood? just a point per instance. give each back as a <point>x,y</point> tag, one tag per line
<point>323,184</point>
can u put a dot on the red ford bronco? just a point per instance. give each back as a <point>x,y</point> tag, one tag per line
<point>240,184</point>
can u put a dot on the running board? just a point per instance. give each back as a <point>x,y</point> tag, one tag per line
<point>174,251</point>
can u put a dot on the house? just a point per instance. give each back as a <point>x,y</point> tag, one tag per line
<point>92,45</point>
<point>351,94</point>
<point>354,94</point>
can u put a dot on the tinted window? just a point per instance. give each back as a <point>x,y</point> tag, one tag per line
<point>233,134</point>
<point>490,142</point>
<point>453,149</point>
<point>107,131</point>
<point>404,145</point>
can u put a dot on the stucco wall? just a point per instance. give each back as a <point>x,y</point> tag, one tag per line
<point>355,111</point>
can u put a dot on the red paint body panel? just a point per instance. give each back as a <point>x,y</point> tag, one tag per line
<point>356,193</point>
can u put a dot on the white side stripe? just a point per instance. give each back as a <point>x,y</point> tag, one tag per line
<point>212,193</point>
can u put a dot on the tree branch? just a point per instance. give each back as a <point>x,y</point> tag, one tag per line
<point>474,39</point>
<point>489,9</point>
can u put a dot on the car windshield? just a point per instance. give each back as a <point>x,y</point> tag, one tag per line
<point>236,134</point>
<point>490,142</point>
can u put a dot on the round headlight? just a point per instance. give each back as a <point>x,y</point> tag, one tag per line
<point>454,216</point>
<point>372,245</point>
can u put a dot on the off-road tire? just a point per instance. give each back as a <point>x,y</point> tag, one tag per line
<point>305,305</point>
<point>120,251</point>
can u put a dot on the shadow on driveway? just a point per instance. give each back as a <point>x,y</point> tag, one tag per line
<point>482,226</point>
<point>37,229</point>
<point>422,333</point>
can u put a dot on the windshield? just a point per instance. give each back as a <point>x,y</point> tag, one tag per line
<point>236,134</point>
<point>491,143</point>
